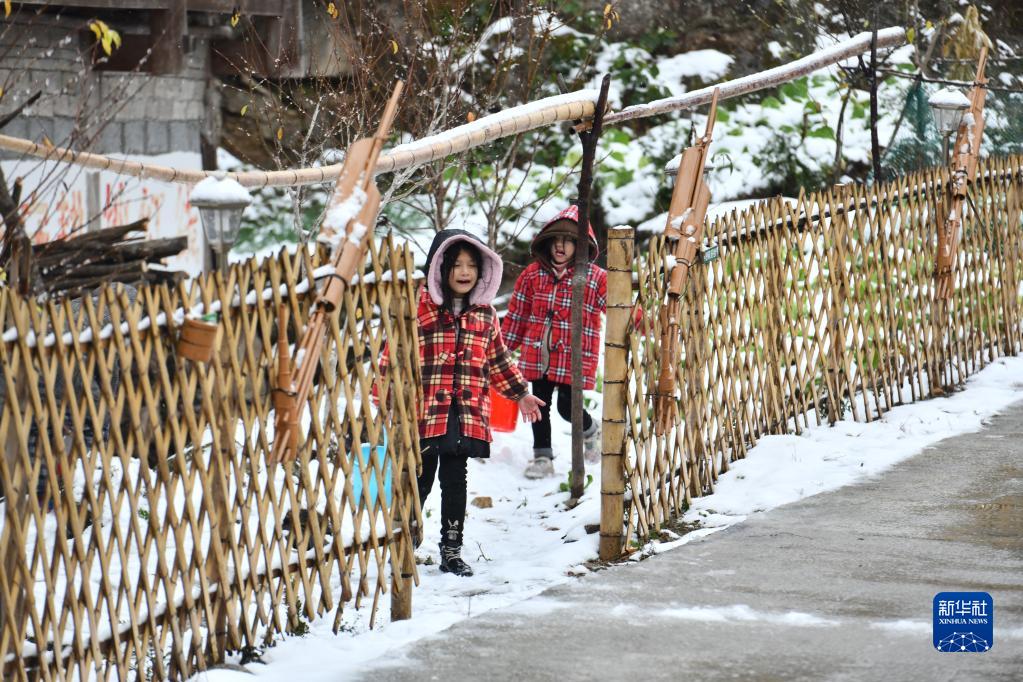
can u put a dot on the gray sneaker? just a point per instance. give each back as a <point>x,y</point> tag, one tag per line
<point>540,467</point>
<point>592,443</point>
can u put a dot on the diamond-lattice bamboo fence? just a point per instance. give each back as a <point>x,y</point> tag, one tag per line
<point>143,533</point>
<point>815,310</point>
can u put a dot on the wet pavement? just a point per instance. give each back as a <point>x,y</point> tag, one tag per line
<point>838,586</point>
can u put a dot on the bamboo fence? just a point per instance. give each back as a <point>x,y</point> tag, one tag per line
<point>143,534</point>
<point>815,311</point>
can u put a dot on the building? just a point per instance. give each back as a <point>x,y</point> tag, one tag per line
<point>152,92</point>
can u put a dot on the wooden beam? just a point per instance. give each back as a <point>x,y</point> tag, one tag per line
<point>167,28</point>
<point>263,8</point>
<point>284,42</point>
<point>266,8</point>
<point>102,4</point>
<point>227,57</point>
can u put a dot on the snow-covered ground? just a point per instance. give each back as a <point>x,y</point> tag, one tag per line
<point>528,542</point>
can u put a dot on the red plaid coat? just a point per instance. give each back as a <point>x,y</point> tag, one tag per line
<point>540,296</point>
<point>462,373</point>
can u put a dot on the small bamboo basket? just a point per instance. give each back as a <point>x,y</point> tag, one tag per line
<point>198,339</point>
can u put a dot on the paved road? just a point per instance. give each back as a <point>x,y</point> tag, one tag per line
<point>836,587</point>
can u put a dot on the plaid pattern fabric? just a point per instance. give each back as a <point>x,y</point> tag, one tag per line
<point>541,301</point>
<point>462,373</point>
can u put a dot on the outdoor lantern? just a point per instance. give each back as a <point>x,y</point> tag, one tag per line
<point>221,202</point>
<point>948,106</point>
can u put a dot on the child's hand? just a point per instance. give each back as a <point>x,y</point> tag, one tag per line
<point>530,408</point>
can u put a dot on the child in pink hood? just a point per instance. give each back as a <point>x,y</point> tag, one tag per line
<point>461,356</point>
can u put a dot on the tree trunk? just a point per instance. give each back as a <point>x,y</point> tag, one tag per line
<point>875,144</point>
<point>579,276</point>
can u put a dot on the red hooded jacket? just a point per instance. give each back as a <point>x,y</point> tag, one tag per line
<point>461,356</point>
<point>539,319</point>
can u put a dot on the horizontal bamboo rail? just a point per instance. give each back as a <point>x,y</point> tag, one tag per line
<point>886,38</point>
<point>570,107</point>
<point>530,116</point>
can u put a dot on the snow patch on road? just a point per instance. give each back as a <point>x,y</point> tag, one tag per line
<point>742,613</point>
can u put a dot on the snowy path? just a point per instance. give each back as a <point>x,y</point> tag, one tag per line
<point>839,586</point>
<point>525,535</point>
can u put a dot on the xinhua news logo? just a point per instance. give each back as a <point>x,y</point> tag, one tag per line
<point>964,622</point>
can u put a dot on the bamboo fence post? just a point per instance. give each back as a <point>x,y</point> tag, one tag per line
<point>402,579</point>
<point>694,393</point>
<point>15,486</point>
<point>1010,257</point>
<point>837,379</point>
<point>616,392</point>
<point>219,508</point>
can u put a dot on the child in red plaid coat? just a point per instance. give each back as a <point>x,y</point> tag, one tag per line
<point>461,352</point>
<point>539,322</point>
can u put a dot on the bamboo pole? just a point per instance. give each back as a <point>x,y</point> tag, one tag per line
<point>355,236</point>
<point>514,121</point>
<point>951,221</point>
<point>401,579</point>
<point>889,37</point>
<point>964,172</point>
<point>526,117</point>
<point>616,393</point>
<point>684,231</point>
<point>406,504</point>
<point>16,487</point>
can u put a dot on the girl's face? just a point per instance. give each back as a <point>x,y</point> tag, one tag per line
<point>463,275</point>
<point>562,250</point>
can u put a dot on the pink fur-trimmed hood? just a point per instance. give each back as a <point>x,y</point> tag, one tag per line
<point>491,267</point>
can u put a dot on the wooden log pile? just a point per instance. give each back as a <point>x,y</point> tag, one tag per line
<point>71,267</point>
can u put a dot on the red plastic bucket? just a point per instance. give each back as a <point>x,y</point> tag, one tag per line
<point>503,412</point>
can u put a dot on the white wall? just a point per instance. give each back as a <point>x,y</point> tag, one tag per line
<point>54,200</point>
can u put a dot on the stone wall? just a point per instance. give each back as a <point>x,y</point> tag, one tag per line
<point>108,111</point>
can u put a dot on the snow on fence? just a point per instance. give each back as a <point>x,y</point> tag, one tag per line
<point>814,311</point>
<point>143,534</point>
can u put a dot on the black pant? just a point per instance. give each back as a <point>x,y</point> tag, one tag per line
<point>544,390</point>
<point>450,453</point>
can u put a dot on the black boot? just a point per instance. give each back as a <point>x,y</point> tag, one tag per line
<point>451,560</point>
<point>451,550</point>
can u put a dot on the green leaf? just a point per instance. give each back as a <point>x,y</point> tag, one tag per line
<point>797,89</point>
<point>824,132</point>
<point>770,102</point>
<point>722,116</point>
